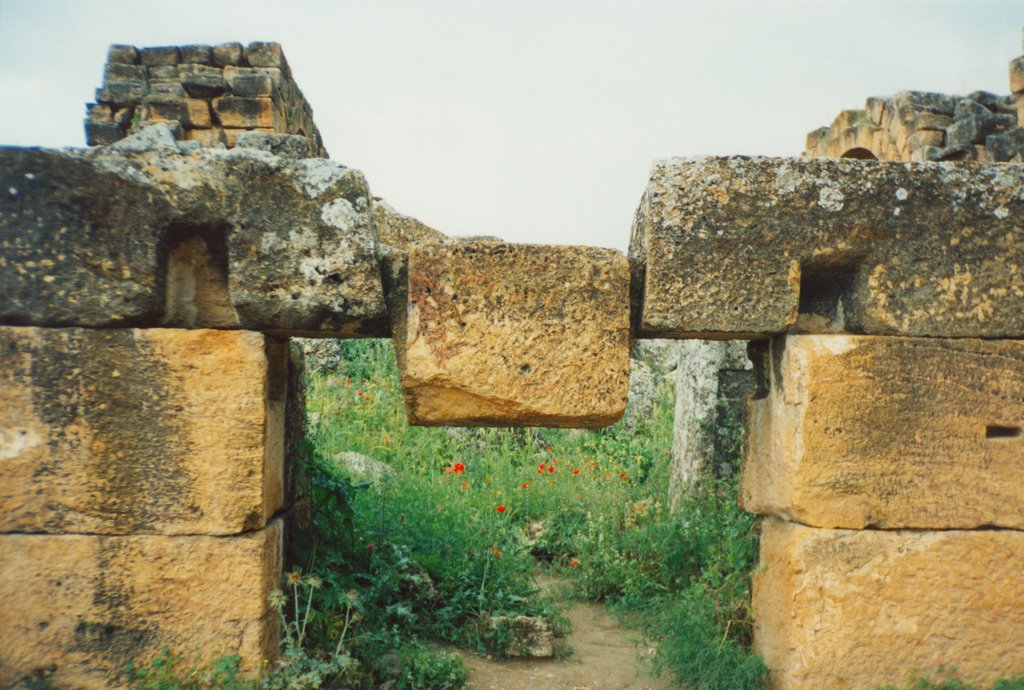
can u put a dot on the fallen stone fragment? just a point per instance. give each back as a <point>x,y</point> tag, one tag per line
<point>89,605</point>
<point>531,636</point>
<point>862,431</point>
<point>747,247</point>
<point>489,333</point>
<point>869,608</point>
<point>142,233</point>
<point>117,431</point>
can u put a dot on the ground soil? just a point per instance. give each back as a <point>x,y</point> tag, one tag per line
<point>605,656</point>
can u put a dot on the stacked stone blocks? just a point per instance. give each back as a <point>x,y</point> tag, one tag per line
<point>885,441</point>
<point>210,94</point>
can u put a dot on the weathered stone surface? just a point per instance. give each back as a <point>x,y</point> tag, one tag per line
<point>705,370</point>
<point>119,93</point>
<point>253,83</point>
<point>396,230</point>
<point>116,71</point>
<point>740,247</point>
<point>643,389</point>
<point>924,137</point>
<point>89,604</point>
<point>860,431</point>
<point>364,468</point>
<point>201,81</point>
<point>225,54</point>
<point>192,112</point>
<point>141,234</point>
<point>196,54</point>
<point>124,54</point>
<point>160,55</point>
<point>531,636</point>
<point>1003,147</point>
<point>292,146</point>
<point>868,608</point>
<point>101,133</point>
<point>262,54</point>
<point>1017,75</point>
<point>492,333</point>
<point>233,111</point>
<point>118,431</point>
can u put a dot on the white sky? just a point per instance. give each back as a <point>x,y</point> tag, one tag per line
<point>534,120</point>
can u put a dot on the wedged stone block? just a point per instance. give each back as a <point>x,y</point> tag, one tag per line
<point>859,431</point>
<point>89,605</point>
<point>746,247</point>
<point>123,431</point>
<point>853,609</point>
<point>145,233</point>
<point>491,333</point>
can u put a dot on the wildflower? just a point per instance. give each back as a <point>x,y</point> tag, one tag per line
<point>526,485</point>
<point>622,475</point>
<point>542,466</point>
<point>366,398</point>
<point>540,471</point>
<point>575,472</point>
<point>574,563</point>
<point>458,468</point>
<point>313,582</point>
<point>351,597</point>
<point>276,599</point>
<point>501,509</point>
<point>550,447</point>
<point>465,485</point>
<point>551,469</point>
<point>593,464</point>
<point>294,578</point>
<point>370,547</point>
<point>494,551</point>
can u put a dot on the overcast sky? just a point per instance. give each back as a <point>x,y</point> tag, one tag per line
<point>534,120</point>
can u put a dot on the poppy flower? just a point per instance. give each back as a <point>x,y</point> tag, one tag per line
<point>294,578</point>
<point>551,469</point>
<point>458,468</point>
<point>574,563</point>
<point>550,447</point>
<point>622,475</point>
<point>501,509</point>
<point>526,485</point>
<point>542,466</point>
<point>465,485</point>
<point>540,471</point>
<point>575,472</point>
<point>494,551</point>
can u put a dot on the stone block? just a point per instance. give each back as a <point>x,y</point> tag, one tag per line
<point>168,90</point>
<point>530,636</point>
<point>119,72</point>
<point>916,101</point>
<point>245,113</point>
<point>196,54</point>
<point>875,109</point>
<point>746,247</point>
<point>854,609</point>
<point>225,54</point>
<point>120,94</point>
<point>1020,110</point>
<point>931,121</point>
<point>201,81</point>
<point>1003,147</point>
<point>262,54</point>
<point>117,431</point>
<point>1017,75</point>
<point>924,137</point>
<point>291,146</point>
<point>208,137</point>
<point>161,73</point>
<point>250,82</point>
<point>191,112</point>
<point>268,243</point>
<point>89,605</point>
<point>100,134</point>
<point>490,333</point>
<point>123,54</point>
<point>866,431</point>
<point>160,55</point>
<point>98,112</point>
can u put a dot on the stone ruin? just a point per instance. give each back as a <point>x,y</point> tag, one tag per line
<point>152,405</point>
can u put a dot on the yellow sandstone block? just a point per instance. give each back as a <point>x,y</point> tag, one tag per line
<point>859,431</point>
<point>855,609</point>
<point>119,431</point>
<point>89,605</point>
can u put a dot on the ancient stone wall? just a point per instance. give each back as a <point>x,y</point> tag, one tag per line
<point>208,94</point>
<point>922,126</point>
<point>884,442</point>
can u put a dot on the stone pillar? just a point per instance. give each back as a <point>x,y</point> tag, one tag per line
<point>889,469</point>
<point>709,371</point>
<point>142,479</point>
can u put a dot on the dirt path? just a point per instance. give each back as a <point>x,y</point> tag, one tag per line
<point>604,658</point>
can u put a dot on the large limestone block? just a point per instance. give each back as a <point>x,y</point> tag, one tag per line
<point>867,608</point>
<point>158,430</point>
<point>491,333</point>
<point>860,431</point>
<point>89,605</point>
<point>148,232</point>
<point>742,247</point>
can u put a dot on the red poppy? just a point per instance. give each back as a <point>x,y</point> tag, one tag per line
<point>574,563</point>
<point>495,551</point>
<point>551,469</point>
<point>465,485</point>
<point>501,509</point>
<point>459,468</point>
<point>540,471</point>
<point>622,475</point>
<point>550,447</point>
<point>575,472</point>
<point>526,485</point>
<point>542,466</point>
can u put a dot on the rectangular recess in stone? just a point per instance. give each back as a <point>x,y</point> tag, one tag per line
<point>211,239</point>
<point>91,604</point>
<point>869,608</point>
<point>121,431</point>
<point>747,247</point>
<point>491,333</point>
<point>888,432</point>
